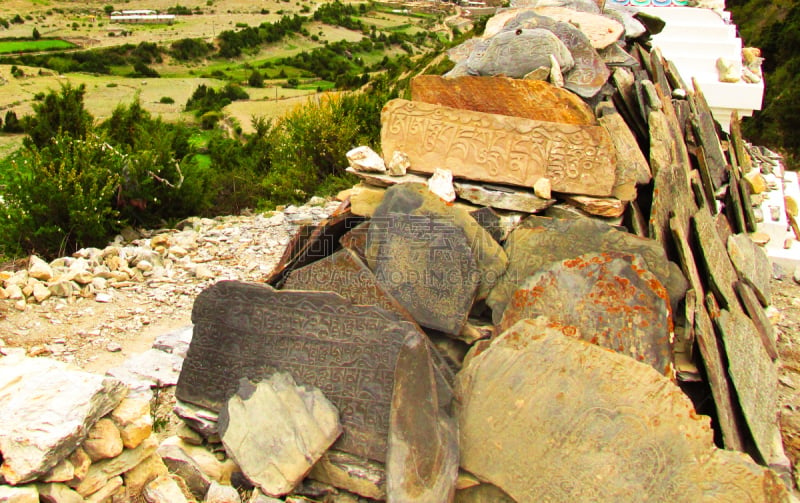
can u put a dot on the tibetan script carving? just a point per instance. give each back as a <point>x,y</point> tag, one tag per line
<point>498,148</point>
<point>349,352</point>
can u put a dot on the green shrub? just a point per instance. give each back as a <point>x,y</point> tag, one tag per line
<point>59,198</point>
<point>209,119</point>
<point>167,100</point>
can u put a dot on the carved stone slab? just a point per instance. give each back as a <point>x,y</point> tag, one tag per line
<point>543,240</point>
<point>349,352</point>
<point>516,54</point>
<point>502,149</point>
<point>345,274</point>
<point>608,299</point>
<point>531,99</point>
<point>754,375</point>
<point>599,425</point>
<point>600,30</point>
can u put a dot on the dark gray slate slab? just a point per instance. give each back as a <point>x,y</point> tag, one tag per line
<point>706,133</point>
<point>515,54</point>
<point>752,264</point>
<point>752,307</point>
<point>714,258</point>
<point>539,241</point>
<point>422,463</point>
<point>433,258</point>
<point>349,352</point>
<point>609,299</point>
<point>632,166</point>
<point>754,376</point>
<point>356,240</point>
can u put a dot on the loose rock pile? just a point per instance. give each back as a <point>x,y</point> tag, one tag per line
<point>433,339</point>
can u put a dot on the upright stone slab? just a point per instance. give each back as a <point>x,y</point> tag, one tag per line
<point>752,264</point>
<point>755,377</point>
<point>531,99</point>
<point>632,167</point>
<point>502,149</point>
<point>706,133</point>
<point>47,408</point>
<point>600,30</point>
<point>546,417</point>
<point>433,258</point>
<point>757,315</point>
<point>276,431</point>
<point>607,299</point>
<point>714,256</point>
<point>539,241</point>
<point>349,352</point>
<point>515,54</point>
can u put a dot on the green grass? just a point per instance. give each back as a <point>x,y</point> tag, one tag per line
<point>11,46</point>
<point>323,85</point>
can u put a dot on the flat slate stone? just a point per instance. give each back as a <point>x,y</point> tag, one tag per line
<point>422,464</point>
<point>276,430</point>
<point>47,409</point>
<point>632,167</point>
<point>752,264</point>
<point>503,198</point>
<point>352,473</point>
<point>321,339</point>
<point>714,257</point>
<point>756,313</point>
<point>501,149</point>
<point>531,99</point>
<point>435,259</point>
<point>516,54</point>
<point>706,133</point>
<point>384,180</point>
<point>754,376</point>
<point>600,30</point>
<point>539,241</point>
<point>546,417</point>
<point>608,299</point>
<point>153,368</point>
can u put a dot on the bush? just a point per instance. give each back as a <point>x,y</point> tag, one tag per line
<point>209,119</point>
<point>167,100</point>
<point>255,79</point>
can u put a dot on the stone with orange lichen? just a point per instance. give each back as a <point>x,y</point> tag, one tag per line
<point>609,299</point>
<point>546,417</point>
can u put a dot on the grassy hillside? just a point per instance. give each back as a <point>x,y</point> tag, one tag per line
<point>774,26</point>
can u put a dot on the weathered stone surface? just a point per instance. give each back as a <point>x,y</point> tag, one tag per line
<point>276,430</point>
<point>531,99</point>
<point>752,264</point>
<point>347,351</point>
<point>39,269</point>
<point>600,30</point>
<point>539,241</point>
<point>111,488</point>
<point>600,425</point>
<point>365,159</point>
<point>196,463</point>
<point>175,342</point>
<point>200,419</point>
<point>706,134</point>
<point>365,199</point>
<point>153,368</point>
<point>599,206</point>
<point>20,494</point>
<point>142,474</point>
<point>101,472</point>
<point>47,408</point>
<point>80,462</point>
<point>259,497</point>
<point>345,274</point>
<point>482,493</point>
<point>422,463</point>
<point>384,180</point>
<point>714,257</point>
<point>756,313</point>
<point>103,440</point>
<point>632,167</point>
<point>57,493</point>
<point>441,184</point>
<point>500,197</point>
<point>133,419</point>
<point>501,149</point>
<point>754,376</point>
<point>515,54</point>
<point>607,299</point>
<point>352,473</point>
<point>163,490</point>
<point>218,493</point>
<point>707,342</point>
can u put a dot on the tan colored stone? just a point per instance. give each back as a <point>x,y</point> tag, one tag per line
<point>531,99</point>
<point>602,31</point>
<point>577,159</point>
<point>64,471</point>
<point>140,475</point>
<point>58,493</point>
<point>101,472</point>
<point>791,205</point>
<point>39,269</point>
<point>399,164</point>
<point>756,182</point>
<point>546,417</point>
<point>220,471</point>
<point>103,441</point>
<point>352,473</point>
<point>132,417</point>
<point>80,462</point>
<point>542,188</point>
<point>163,490</point>
<point>19,494</point>
<point>107,491</point>
<point>600,206</point>
<point>364,199</point>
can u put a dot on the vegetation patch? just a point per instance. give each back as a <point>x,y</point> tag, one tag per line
<point>43,44</point>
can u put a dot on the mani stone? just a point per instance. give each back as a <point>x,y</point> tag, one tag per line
<point>577,159</point>
<point>517,53</point>
<point>608,299</point>
<point>47,408</point>
<point>276,430</point>
<point>754,376</point>
<point>600,30</point>
<point>530,99</point>
<point>752,264</point>
<point>546,417</point>
<point>321,339</point>
<point>435,259</point>
<point>540,240</point>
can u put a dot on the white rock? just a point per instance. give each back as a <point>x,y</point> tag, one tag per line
<point>541,188</point>
<point>441,184</point>
<point>365,159</point>
<point>556,77</point>
<point>163,490</point>
<point>218,493</point>
<point>39,269</point>
<point>14,292</point>
<point>203,272</point>
<point>103,297</point>
<point>729,71</point>
<point>399,164</point>
<point>22,494</point>
<point>144,265</point>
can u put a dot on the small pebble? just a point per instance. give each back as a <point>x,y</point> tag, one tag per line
<point>113,347</point>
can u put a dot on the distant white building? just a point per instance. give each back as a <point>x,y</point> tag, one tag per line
<point>143,16</point>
